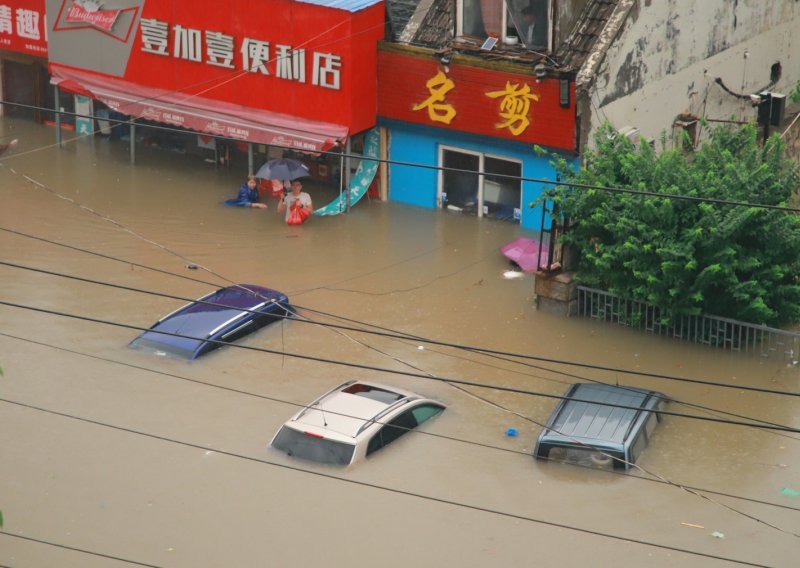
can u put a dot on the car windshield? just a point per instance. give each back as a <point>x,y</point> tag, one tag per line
<point>314,448</point>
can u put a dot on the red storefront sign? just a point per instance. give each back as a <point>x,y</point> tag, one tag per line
<point>285,59</point>
<point>22,27</point>
<point>471,99</point>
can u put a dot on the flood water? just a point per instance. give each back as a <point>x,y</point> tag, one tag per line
<point>111,456</point>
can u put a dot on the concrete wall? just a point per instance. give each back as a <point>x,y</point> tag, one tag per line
<point>666,58</point>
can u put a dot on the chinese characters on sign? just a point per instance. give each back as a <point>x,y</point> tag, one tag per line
<point>515,104</point>
<point>438,110</point>
<point>20,27</point>
<point>514,107</point>
<point>253,55</point>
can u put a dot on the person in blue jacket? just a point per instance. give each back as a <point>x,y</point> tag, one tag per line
<point>248,195</point>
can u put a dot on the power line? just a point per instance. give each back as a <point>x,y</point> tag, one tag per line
<point>108,257</point>
<point>652,479</point>
<point>75,549</point>
<point>376,486</point>
<point>666,481</point>
<point>474,349</point>
<point>408,341</point>
<point>677,485</point>
<point>392,371</point>
<point>716,412</point>
<point>215,82</point>
<point>400,336</point>
<point>544,181</point>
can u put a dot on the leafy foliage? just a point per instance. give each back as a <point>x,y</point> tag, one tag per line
<point>794,96</point>
<point>689,257</point>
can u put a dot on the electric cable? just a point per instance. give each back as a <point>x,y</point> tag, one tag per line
<point>666,481</point>
<point>137,235</point>
<point>606,454</point>
<point>394,334</point>
<point>716,412</point>
<point>215,82</point>
<point>379,487</point>
<point>413,431</point>
<point>391,371</point>
<point>673,401</point>
<point>75,549</point>
<point>475,349</point>
<point>543,181</point>
<point>657,194</point>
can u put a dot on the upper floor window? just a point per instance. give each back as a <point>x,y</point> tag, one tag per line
<point>523,22</point>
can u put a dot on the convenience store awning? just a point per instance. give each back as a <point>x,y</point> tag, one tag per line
<point>201,114</point>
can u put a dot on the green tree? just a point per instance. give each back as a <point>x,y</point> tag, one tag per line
<point>687,257</point>
<point>794,96</point>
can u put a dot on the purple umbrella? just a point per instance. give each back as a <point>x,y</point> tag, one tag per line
<point>525,252</point>
<point>282,168</point>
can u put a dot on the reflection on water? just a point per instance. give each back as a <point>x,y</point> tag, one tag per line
<point>427,273</point>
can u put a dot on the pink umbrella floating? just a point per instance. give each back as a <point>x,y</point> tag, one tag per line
<point>525,252</point>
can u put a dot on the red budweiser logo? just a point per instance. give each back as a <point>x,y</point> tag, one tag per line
<point>90,13</point>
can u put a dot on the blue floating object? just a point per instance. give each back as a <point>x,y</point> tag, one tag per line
<point>512,432</point>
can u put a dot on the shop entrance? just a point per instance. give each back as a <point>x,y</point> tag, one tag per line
<point>25,83</point>
<point>497,193</point>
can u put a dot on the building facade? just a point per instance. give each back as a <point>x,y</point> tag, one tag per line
<point>23,59</point>
<point>661,67</point>
<point>470,91</point>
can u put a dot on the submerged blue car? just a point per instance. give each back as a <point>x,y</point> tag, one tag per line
<point>225,315</point>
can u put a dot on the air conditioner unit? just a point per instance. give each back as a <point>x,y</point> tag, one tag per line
<point>632,133</point>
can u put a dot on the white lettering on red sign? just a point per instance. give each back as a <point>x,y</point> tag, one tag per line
<point>155,35</point>
<point>289,64</point>
<point>235,132</point>
<point>150,113</point>
<point>6,21</point>
<point>28,24</point>
<point>214,127</point>
<point>255,55</point>
<point>172,118</point>
<point>219,49</point>
<point>103,19</point>
<point>188,44</point>
<point>326,70</point>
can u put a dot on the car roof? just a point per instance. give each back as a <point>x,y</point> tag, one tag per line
<point>593,420</point>
<point>198,321</point>
<point>344,412</point>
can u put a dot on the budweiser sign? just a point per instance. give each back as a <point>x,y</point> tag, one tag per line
<point>89,12</point>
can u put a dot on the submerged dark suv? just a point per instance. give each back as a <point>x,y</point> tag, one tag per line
<point>601,425</point>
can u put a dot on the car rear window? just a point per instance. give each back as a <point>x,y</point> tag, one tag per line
<point>185,349</point>
<point>312,447</point>
<point>373,393</point>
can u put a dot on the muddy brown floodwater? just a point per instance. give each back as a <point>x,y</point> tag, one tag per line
<point>111,456</point>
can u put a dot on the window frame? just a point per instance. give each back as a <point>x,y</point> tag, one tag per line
<point>482,173</point>
<point>376,442</point>
<point>459,22</point>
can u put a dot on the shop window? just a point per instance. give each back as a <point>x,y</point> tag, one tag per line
<point>497,193</point>
<point>522,22</point>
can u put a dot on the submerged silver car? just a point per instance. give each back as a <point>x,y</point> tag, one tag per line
<point>352,421</point>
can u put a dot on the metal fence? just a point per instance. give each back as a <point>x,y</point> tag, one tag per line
<point>706,330</point>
